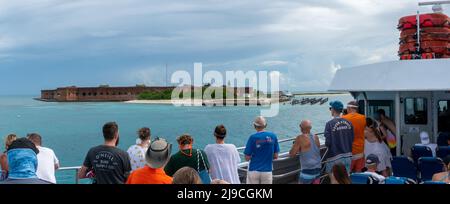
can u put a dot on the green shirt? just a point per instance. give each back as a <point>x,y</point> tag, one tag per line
<point>180,160</point>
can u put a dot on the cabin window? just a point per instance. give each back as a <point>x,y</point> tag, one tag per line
<point>416,111</point>
<point>361,107</point>
<point>444,116</point>
<point>375,105</point>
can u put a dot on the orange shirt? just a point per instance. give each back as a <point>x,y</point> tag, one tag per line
<point>147,175</point>
<point>359,124</point>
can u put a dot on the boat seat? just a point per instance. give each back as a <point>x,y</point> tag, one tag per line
<point>442,139</point>
<point>419,151</point>
<point>442,151</point>
<point>433,182</point>
<point>360,178</point>
<point>403,166</point>
<point>428,166</point>
<point>398,180</point>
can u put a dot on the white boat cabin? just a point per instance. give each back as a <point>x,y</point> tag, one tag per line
<point>415,94</point>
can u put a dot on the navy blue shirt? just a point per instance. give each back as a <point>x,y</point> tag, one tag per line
<point>261,146</point>
<point>339,137</point>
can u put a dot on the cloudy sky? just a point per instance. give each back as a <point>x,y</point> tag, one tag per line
<point>50,43</point>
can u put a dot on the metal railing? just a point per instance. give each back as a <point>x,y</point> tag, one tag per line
<point>76,169</point>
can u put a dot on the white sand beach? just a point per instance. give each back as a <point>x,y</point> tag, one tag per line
<point>197,102</point>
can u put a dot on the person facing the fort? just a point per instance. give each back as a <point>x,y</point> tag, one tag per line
<point>108,164</point>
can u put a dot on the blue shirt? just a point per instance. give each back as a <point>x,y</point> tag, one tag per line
<point>339,137</point>
<point>261,146</point>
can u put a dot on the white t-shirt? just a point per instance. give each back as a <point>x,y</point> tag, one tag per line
<point>46,164</point>
<point>381,150</point>
<point>431,146</point>
<point>137,156</point>
<point>223,160</point>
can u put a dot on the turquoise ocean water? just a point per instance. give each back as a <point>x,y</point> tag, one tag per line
<point>70,129</point>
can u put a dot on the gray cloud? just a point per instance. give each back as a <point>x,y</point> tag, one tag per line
<point>129,41</point>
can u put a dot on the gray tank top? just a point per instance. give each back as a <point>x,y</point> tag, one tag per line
<point>311,158</point>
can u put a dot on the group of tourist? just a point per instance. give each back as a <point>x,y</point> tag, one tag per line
<point>353,143</point>
<point>152,162</point>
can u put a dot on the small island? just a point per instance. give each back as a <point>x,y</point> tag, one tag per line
<point>189,95</point>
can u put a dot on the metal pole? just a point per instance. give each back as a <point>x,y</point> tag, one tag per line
<point>418,33</point>
<point>398,123</point>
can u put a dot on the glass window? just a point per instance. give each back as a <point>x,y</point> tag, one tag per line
<point>361,107</point>
<point>375,105</point>
<point>444,116</point>
<point>416,111</point>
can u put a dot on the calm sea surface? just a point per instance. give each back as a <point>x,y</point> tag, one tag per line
<point>70,129</point>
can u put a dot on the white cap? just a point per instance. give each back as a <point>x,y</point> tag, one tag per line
<point>424,138</point>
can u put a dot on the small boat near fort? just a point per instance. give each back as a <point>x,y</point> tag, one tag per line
<point>311,101</point>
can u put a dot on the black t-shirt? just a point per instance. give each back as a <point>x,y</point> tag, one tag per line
<point>111,165</point>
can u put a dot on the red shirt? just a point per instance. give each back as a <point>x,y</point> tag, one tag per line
<point>147,175</point>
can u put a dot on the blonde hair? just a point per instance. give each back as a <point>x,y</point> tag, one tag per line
<point>9,139</point>
<point>186,175</point>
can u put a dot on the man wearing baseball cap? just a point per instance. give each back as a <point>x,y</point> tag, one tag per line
<point>425,141</point>
<point>157,156</point>
<point>372,162</point>
<point>338,138</point>
<point>359,124</point>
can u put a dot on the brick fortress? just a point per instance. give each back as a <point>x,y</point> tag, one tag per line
<point>106,93</point>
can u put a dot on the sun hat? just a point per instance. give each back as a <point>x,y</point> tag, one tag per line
<point>158,153</point>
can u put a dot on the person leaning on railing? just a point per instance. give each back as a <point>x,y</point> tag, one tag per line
<point>4,158</point>
<point>223,158</point>
<point>262,147</point>
<point>188,156</point>
<point>137,151</point>
<point>307,145</point>
<point>115,162</point>
<point>23,163</point>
